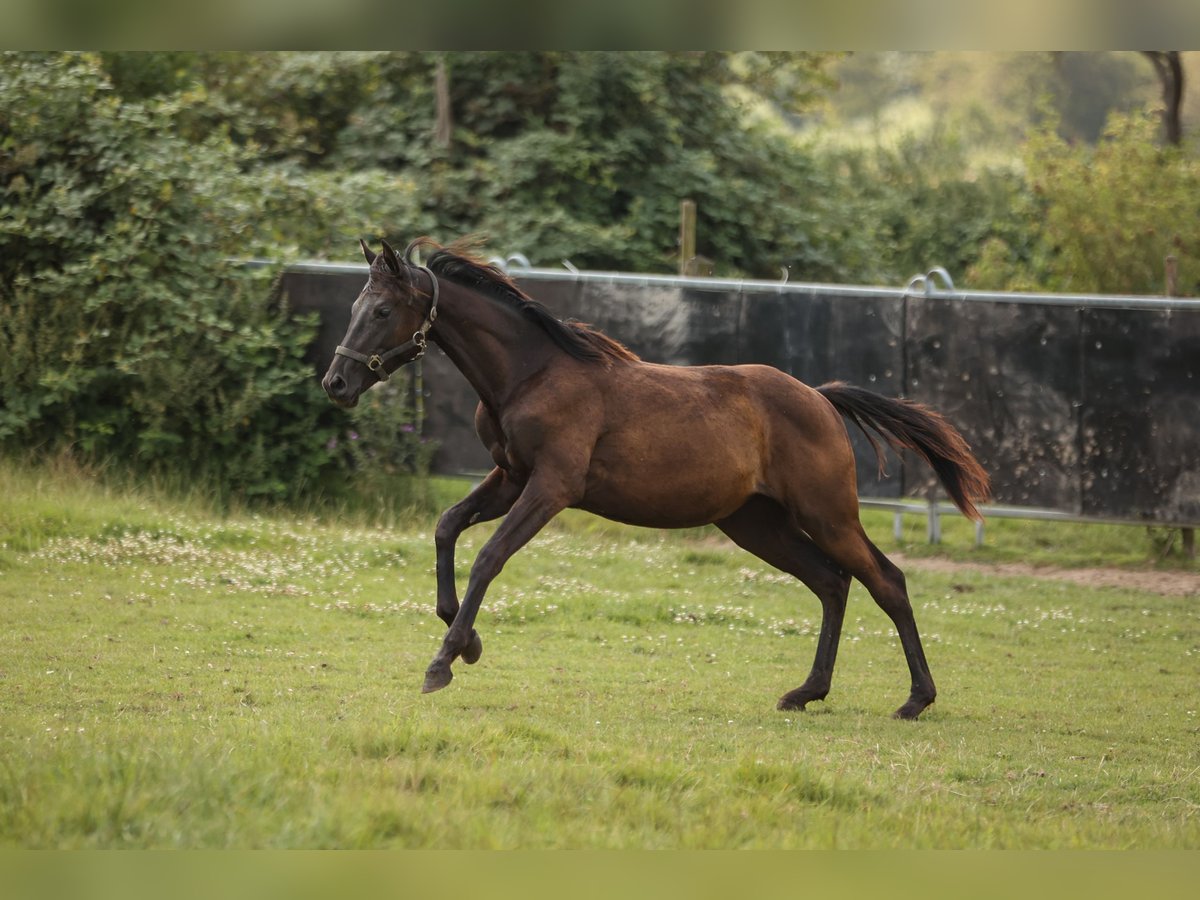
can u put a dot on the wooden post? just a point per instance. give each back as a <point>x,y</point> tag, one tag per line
<point>1172,267</point>
<point>687,234</point>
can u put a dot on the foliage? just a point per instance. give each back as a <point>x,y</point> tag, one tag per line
<point>924,203</point>
<point>587,155</point>
<point>996,96</point>
<point>294,213</point>
<point>123,332</point>
<point>384,450</point>
<point>282,106</point>
<point>1102,219</point>
<point>1000,166</point>
<point>385,432</point>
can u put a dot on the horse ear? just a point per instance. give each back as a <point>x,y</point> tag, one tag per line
<point>367,251</point>
<point>389,259</point>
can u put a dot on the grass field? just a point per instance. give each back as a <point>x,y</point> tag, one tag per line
<point>169,678</point>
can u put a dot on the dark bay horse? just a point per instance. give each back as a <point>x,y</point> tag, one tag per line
<point>574,419</point>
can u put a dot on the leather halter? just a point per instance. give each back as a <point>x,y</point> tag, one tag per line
<point>376,362</point>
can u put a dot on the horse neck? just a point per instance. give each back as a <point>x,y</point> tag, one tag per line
<point>494,346</point>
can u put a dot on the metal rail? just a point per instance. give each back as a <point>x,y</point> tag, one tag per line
<point>933,511</point>
<point>759,286</point>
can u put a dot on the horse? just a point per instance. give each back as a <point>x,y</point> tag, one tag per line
<point>572,418</point>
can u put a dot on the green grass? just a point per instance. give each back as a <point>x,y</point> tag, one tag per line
<point>169,678</point>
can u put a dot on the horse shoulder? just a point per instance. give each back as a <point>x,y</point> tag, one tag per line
<point>556,422</point>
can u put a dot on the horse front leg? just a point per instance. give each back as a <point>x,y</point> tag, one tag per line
<point>492,498</point>
<point>536,506</point>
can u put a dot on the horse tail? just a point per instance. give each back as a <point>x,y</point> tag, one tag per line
<point>905,424</point>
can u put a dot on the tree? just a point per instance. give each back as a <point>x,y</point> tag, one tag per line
<point>1168,65</point>
<point>580,155</point>
<point>585,155</point>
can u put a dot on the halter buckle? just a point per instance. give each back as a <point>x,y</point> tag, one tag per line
<point>375,364</point>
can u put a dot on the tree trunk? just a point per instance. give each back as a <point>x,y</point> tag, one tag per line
<point>1169,67</point>
<point>445,122</point>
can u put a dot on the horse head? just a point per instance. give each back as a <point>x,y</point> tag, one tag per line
<point>388,324</point>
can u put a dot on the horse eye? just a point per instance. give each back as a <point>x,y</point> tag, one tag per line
<point>382,312</point>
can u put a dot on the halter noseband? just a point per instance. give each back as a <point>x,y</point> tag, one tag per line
<point>375,361</point>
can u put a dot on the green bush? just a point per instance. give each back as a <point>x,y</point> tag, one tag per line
<point>124,333</point>
<point>384,452</point>
<point>923,203</point>
<point>1103,218</point>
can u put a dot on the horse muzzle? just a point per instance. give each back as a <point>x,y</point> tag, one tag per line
<point>339,390</point>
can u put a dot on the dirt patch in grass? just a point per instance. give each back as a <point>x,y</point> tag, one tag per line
<point>1168,583</point>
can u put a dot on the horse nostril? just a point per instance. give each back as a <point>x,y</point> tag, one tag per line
<point>335,386</point>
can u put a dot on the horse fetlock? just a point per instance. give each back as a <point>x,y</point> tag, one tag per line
<point>447,612</point>
<point>473,650</point>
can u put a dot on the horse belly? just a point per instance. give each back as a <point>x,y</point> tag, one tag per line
<point>670,484</point>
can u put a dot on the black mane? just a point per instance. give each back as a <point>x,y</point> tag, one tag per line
<point>456,264</point>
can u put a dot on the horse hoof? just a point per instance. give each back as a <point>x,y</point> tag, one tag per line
<point>786,702</point>
<point>436,678</point>
<point>474,650</point>
<point>797,699</point>
<point>910,710</point>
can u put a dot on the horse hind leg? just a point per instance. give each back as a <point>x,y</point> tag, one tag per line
<point>892,598</point>
<point>764,528</point>
<point>853,550</point>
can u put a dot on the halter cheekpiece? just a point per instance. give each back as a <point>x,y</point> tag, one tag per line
<point>376,361</point>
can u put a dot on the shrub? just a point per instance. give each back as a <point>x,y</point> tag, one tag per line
<point>923,203</point>
<point>384,451</point>
<point>1101,219</point>
<point>124,334</point>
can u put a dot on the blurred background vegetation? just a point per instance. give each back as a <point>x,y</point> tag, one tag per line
<point>128,180</point>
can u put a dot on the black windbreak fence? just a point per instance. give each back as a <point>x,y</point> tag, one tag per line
<point>1088,406</point>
